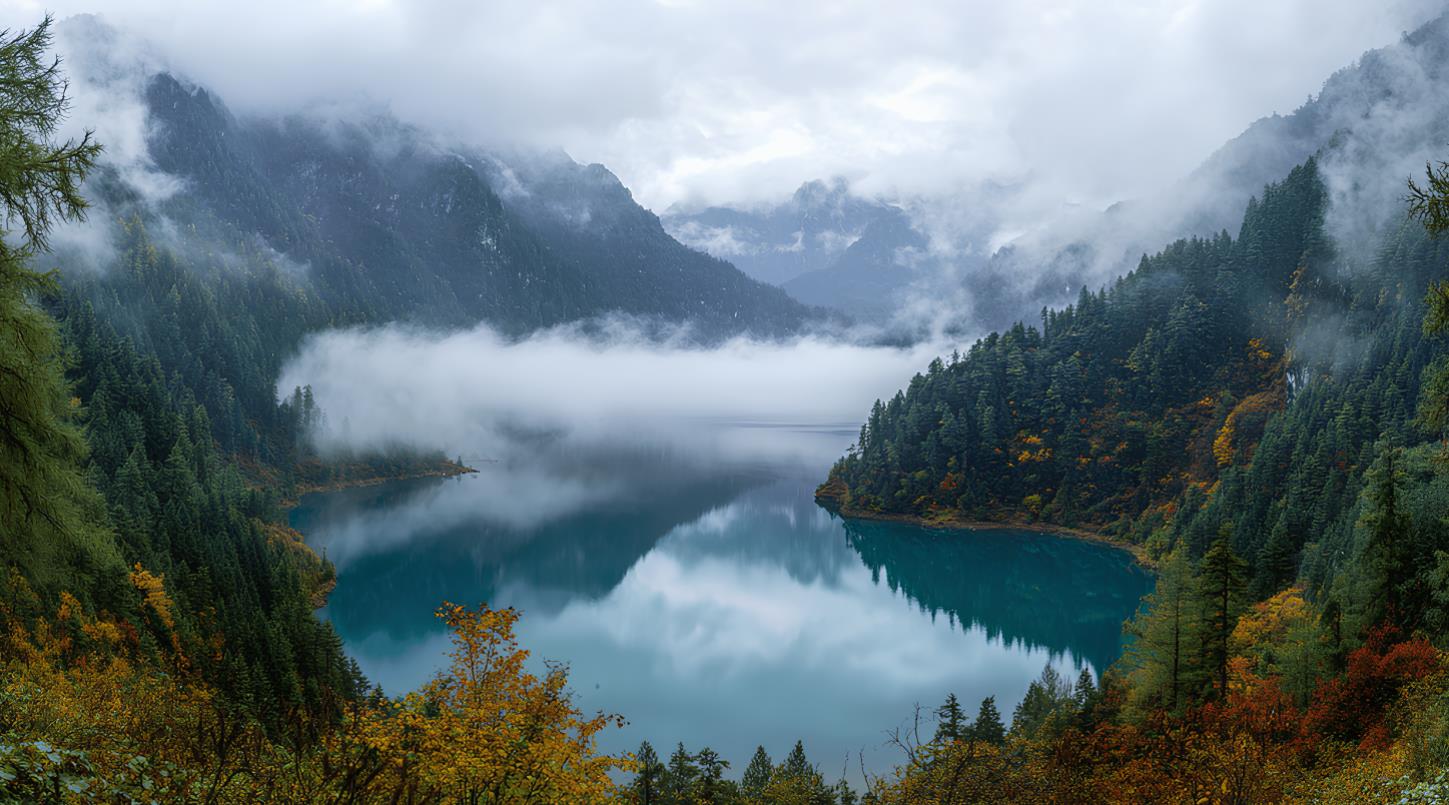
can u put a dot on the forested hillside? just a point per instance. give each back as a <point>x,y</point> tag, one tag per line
<point>1260,415</point>
<point>1165,392</point>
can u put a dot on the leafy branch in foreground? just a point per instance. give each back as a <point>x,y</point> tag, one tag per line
<point>1429,202</point>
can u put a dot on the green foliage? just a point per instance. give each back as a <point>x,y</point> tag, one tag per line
<point>988,727</point>
<point>1429,202</point>
<point>950,721</point>
<point>51,522</point>
<point>647,787</point>
<point>1221,584</point>
<point>1159,660</point>
<point>757,775</point>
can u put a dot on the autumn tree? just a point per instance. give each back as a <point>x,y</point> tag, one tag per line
<point>487,730</point>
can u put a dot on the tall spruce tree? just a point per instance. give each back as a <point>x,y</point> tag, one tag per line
<point>1221,585</point>
<point>757,775</point>
<point>1388,554</point>
<point>950,721</point>
<point>648,784</point>
<point>988,727</point>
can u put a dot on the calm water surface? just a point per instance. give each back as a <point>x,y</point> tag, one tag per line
<point>698,590</point>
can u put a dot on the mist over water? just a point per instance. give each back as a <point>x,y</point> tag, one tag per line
<point>648,504</point>
<point>695,587</point>
<point>613,386</point>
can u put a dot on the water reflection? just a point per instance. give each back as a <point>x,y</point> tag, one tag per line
<point>711,601</point>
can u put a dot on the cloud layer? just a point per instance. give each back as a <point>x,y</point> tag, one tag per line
<point>478,393</point>
<point>732,102</point>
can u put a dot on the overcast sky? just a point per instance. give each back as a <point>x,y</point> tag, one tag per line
<point>741,101</point>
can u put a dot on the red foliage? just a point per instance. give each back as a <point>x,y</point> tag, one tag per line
<point>1352,706</point>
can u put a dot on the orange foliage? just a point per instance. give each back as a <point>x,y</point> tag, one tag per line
<point>1352,706</point>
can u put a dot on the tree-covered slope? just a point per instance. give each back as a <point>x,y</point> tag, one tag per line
<point>1227,383</point>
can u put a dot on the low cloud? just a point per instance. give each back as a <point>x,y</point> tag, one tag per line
<point>732,102</point>
<point>479,393</point>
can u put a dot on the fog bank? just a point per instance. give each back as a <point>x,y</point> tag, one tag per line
<point>479,394</point>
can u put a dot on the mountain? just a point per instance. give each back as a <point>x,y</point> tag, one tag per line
<point>1372,124</point>
<point>591,224</point>
<point>777,243</point>
<point>393,227</point>
<point>867,278</point>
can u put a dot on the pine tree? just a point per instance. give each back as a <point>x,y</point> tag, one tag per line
<point>951,722</point>
<point>796,764</point>
<point>679,777</point>
<point>1221,584</point>
<point>649,778</point>
<point>988,727</point>
<point>757,775</point>
<point>710,787</point>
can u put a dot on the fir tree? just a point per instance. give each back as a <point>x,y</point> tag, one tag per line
<point>757,774</point>
<point>649,777</point>
<point>1221,584</point>
<point>988,727</point>
<point>951,722</point>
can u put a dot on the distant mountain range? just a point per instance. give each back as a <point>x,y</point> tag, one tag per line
<point>1373,123</point>
<point>389,225</point>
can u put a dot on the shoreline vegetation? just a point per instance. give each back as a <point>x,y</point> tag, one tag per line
<point>440,468</point>
<point>832,495</point>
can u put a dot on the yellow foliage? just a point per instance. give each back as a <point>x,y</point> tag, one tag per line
<point>488,730</point>
<point>1257,349</point>
<point>485,730</point>
<point>1223,443</point>
<point>153,591</point>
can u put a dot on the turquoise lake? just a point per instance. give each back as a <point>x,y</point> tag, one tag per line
<point>703,594</point>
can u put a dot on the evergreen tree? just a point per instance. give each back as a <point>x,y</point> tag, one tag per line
<point>1388,557</point>
<point>1158,660</point>
<point>48,511</point>
<point>647,787</point>
<point>1045,698</point>
<point>951,722</point>
<point>988,727</point>
<point>679,777</point>
<point>1084,697</point>
<point>710,787</point>
<point>1221,584</point>
<point>757,775</point>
